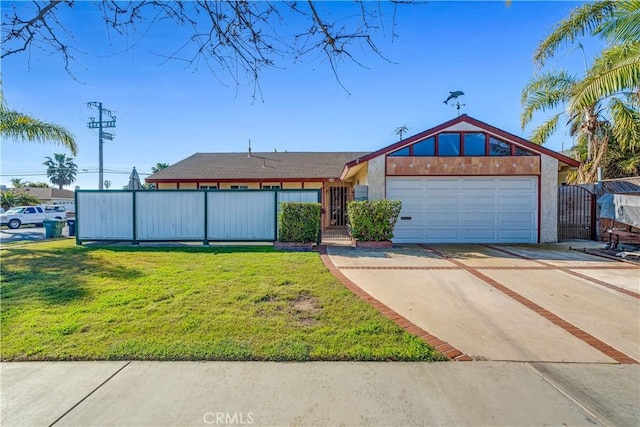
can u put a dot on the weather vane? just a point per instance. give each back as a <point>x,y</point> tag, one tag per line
<point>454,96</point>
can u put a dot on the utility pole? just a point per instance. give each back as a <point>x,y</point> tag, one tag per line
<point>111,123</point>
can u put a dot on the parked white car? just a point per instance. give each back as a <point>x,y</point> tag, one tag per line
<point>18,215</point>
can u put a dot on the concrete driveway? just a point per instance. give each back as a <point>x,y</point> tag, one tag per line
<point>536,303</point>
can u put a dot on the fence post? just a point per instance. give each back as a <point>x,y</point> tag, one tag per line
<point>135,219</point>
<point>206,217</point>
<point>75,196</point>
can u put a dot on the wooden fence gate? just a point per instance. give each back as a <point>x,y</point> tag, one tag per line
<point>576,213</point>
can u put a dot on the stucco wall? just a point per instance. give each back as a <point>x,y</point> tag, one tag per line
<point>376,178</point>
<point>549,199</point>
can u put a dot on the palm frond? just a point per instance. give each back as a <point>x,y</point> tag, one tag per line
<point>541,134</point>
<point>626,124</point>
<point>23,128</point>
<point>545,92</point>
<point>624,26</point>
<point>616,70</point>
<point>582,21</point>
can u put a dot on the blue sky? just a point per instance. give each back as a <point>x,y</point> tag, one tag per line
<point>166,112</point>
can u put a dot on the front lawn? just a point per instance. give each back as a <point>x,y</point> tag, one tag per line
<point>65,302</point>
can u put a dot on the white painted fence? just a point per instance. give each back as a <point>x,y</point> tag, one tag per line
<point>182,215</point>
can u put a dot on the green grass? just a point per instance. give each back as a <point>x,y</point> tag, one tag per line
<point>65,302</point>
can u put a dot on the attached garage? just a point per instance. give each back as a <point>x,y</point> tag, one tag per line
<point>465,181</point>
<point>466,209</point>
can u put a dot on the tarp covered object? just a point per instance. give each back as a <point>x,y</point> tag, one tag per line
<point>623,208</point>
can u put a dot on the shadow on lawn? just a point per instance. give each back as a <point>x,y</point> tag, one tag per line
<point>53,276</point>
<point>124,247</point>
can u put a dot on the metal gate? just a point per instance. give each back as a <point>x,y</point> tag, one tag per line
<point>338,206</point>
<point>576,213</point>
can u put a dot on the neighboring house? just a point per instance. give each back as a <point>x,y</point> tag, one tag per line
<point>53,196</point>
<point>463,181</point>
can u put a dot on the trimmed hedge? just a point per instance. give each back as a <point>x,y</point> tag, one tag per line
<point>373,220</point>
<point>299,222</point>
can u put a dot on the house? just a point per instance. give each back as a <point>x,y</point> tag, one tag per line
<point>463,181</point>
<point>53,196</point>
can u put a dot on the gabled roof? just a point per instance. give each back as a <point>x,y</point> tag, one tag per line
<point>48,193</point>
<point>206,167</point>
<point>475,122</point>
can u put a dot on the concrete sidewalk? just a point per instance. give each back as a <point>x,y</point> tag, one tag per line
<point>318,393</point>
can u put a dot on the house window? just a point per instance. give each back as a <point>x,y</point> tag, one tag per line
<point>401,152</point>
<point>474,144</point>
<point>449,144</point>
<point>523,152</point>
<point>270,187</point>
<point>498,148</point>
<point>425,148</point>
<point>208,187</point>
<point>239,187</point>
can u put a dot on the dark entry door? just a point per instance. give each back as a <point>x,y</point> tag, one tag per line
<point>576,213</point>
<point>338,206</point>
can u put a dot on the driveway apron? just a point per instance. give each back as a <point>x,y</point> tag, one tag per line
<point>464,295</point>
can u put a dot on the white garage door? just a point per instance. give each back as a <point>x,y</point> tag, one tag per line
<point>466,210</point>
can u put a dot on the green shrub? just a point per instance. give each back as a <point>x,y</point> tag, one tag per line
<point>373,220</point>
<point>299,222</point>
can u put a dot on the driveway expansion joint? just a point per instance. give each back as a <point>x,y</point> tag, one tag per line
<point>586,337</point>
<point>90,393</point>
<point>443,347</point>
<point>568,270</point>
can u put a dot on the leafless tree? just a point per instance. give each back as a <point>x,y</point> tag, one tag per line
<point>241,38</point>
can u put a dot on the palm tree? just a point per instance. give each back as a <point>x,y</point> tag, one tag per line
<point>17,183</point>
<point>23,128</point>
<point>158,167</point>
<point>602,106</point>
<point>61,171</point>
<point>400,131</point>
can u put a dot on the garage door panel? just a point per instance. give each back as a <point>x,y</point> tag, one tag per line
<point>517,184</point>
<point>517,201</point>
<point>466,209</point>
<point>438,202</point>
<point>478,184</point>
<point>478,201</point>
<point>479,218</point>
<point>441,184</point>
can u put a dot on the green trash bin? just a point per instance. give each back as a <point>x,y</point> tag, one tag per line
<point>53,228</point>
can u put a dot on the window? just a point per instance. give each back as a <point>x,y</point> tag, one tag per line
<point>498,148</point>
<point>449,144</point>
<point>208,187</point>
<point>39,209</point>
<point>30,210</point>
<point>239,187</point>
<point>474,144</point>
<point>425,148</point>
<point>401,152</point>
<point>270,187</point>
<point>523,152</point>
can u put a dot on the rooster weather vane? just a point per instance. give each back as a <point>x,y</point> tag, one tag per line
<point>454,96</point>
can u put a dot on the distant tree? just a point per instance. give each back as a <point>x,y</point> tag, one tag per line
<point>17,183</point>
<point>159,166</point>
<point>20,127</point>
<point>12,197</point>
<point>61,170</point>
<point>400,131</point>
<point>37,184</point>
<point>107,184</point>
<point>148,186</point>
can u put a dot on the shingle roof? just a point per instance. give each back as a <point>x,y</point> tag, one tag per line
<point>238,166</point>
